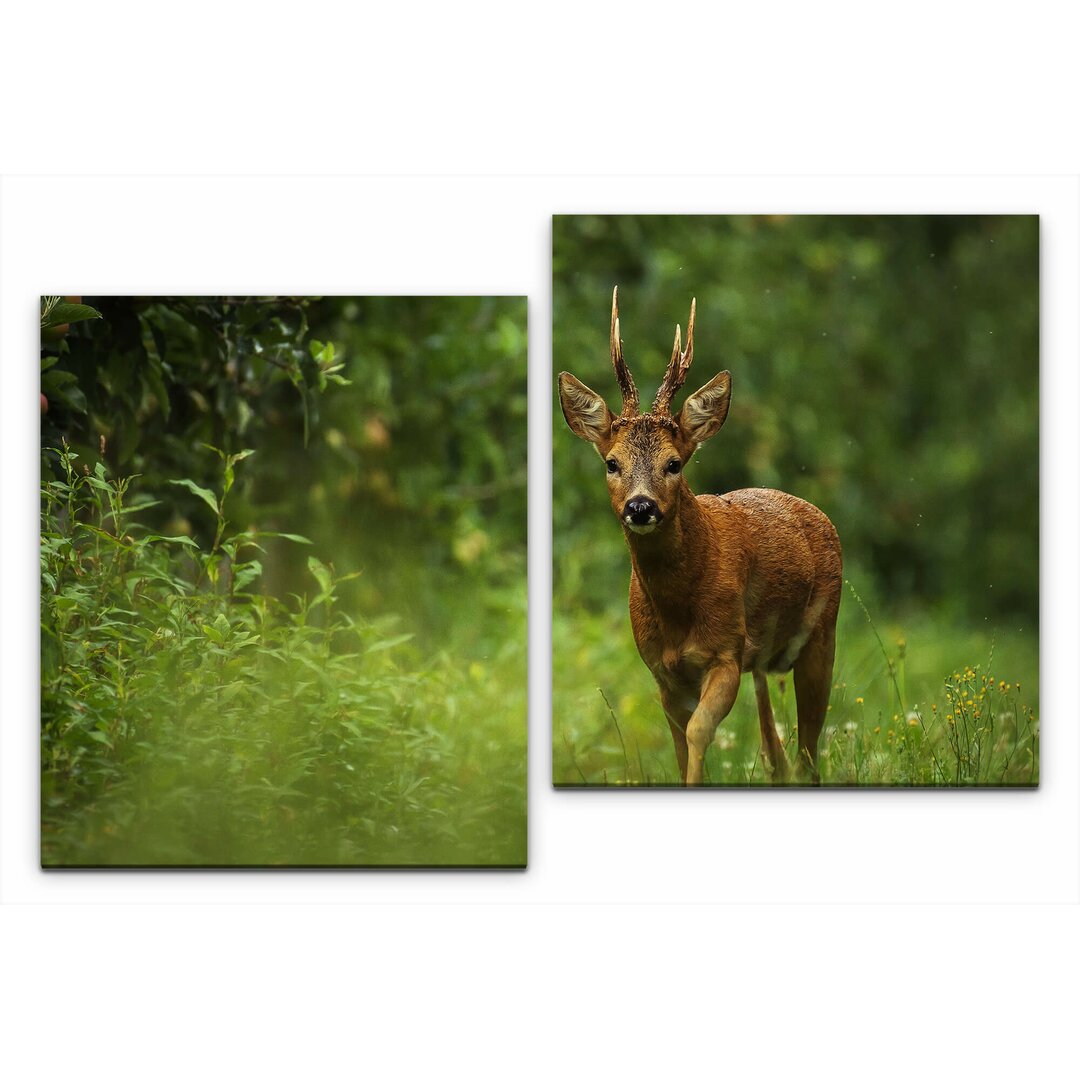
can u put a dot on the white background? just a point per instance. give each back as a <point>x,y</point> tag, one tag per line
<point>314,236</point>
<point>846,932</point>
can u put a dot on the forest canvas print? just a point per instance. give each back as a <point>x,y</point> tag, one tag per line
<point>812,557</point>
<point>283,607</point>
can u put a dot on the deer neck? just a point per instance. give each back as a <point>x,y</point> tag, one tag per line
<point>669,561</point>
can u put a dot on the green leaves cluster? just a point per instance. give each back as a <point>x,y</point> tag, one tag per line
<point>393,427</point>
<point>59,386</point>
<point>55,312</point>
<point>158,376</point>
<point>190,720</point>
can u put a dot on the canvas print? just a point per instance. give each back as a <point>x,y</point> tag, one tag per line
<point>798,545</point>
<point>283,605</point>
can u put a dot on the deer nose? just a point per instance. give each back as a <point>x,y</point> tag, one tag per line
<point>641,511</point>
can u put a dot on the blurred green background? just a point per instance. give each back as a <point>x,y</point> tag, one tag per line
<point>414,474</point>
<point>884,368</point>
<point>390,432</point>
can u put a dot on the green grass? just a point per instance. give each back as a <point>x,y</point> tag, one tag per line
<point>189,720</point>
<point>916,701</point>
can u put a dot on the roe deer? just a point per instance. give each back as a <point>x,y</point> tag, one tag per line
<point>719,585</point>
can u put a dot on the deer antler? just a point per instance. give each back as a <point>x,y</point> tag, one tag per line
<point>622,372</point>
<point>678,366</point>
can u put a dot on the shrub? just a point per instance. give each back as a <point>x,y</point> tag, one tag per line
<point>190,719</point>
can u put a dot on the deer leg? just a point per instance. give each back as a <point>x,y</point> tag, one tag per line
<point>677,717</point>
<point>813,684</point>
<point>770,740</point>
<point>718,692</point>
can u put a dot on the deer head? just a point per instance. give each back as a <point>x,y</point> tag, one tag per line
<point>645,452</point>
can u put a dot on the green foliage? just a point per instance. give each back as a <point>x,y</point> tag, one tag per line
<point>158,377</point>
<point>393,427</point>
<point>884,368</point>
<point>59,387</point>
<point>55,313</point>
<point>188,719</point>
<point>191,715</point>
<point>429,441</point>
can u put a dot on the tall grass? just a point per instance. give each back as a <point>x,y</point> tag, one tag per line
<point>188,719</point>
<point>899,715</point>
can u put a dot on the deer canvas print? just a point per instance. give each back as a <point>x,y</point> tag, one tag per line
<point>818,519</point>
<point>283,581</point>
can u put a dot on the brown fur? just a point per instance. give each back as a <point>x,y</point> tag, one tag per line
<point>720,585</point>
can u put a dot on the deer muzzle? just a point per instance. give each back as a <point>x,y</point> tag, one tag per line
<point>641,515</point>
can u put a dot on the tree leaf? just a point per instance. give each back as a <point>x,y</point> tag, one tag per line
<point>102,533</point>
<point>322,574</point>
<point>245,574</point>
<point>68,313</point>
<point>186,540</point>
<point>207,497</point>
<point>286,536</point>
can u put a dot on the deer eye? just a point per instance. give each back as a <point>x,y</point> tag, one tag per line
<point>612,465</point>
<point>673,466</point>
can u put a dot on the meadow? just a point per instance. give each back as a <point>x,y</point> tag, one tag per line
<point>914,702</point>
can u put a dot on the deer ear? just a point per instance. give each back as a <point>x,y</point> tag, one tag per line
<point>585,410</point>
<point>704,413</point>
